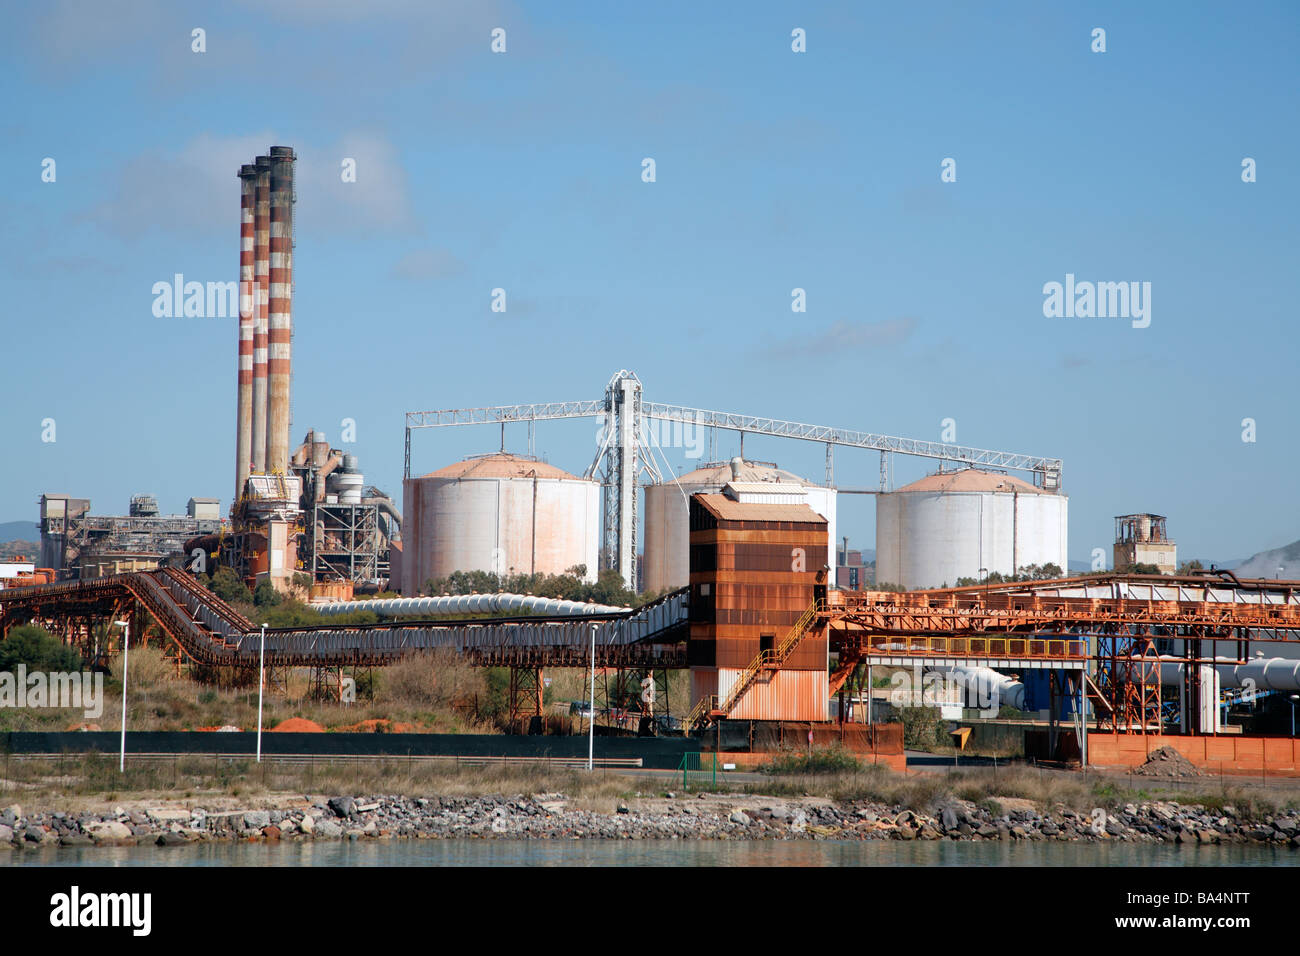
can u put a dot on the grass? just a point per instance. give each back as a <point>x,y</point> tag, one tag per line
<point>928,792</point>
<point>438,692</point>
<point>59,781</point>
<point>434,693</point>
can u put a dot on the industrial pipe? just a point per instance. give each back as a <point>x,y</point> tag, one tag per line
<point>989,685</point>
<point>472,604</point>
<point>1267,673</point>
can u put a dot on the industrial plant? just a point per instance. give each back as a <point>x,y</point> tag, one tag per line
<point>749,591</point>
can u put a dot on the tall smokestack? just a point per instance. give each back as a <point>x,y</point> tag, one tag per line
<point>279,352</point>
<point>262,278</point>
<point>247,319</point>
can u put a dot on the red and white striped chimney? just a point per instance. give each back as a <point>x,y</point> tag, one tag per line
<point>262,279</point>
<point>247,319</point>
<point>280,312</point>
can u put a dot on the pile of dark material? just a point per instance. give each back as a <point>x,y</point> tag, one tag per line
<point>1167,762</point>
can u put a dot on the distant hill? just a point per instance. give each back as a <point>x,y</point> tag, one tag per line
<point>19,531</point>
<point>1266,563</point>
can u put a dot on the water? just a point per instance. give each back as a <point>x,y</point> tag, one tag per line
<point>661,853</point>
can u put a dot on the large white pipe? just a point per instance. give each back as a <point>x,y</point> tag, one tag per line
<point>472,604</point>
<point>1267,673</point>
<point>986,684</point>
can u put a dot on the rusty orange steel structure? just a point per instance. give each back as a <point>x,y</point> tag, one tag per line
<point>1112,632</point>
<point>1117,623</point>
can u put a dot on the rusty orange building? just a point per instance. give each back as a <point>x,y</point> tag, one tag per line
<point>756,570</point>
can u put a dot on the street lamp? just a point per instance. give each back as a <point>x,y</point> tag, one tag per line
<point>591,704</point>
<point>261,682</point>
<point>126,650</point>
<point>1294,698</point>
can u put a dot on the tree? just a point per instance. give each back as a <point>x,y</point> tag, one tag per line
<point>1190,567</point>
<point>265,594</point>
<point>225,584</point>
<point>38,650</point>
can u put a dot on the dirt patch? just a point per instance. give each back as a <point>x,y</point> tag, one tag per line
<point>1167,762</point>
<point>298,725</point>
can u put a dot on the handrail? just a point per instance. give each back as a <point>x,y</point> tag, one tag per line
<point>765,659</point>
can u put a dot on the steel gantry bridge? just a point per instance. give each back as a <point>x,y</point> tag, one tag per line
<point>626,448</point>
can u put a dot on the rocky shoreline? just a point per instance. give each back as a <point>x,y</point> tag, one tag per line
<point>700,817</point>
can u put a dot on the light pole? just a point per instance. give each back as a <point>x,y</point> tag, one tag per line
<point>591,704</point>
<point>126,650</point>
<point>261,682</point>
<point>1294,698</point>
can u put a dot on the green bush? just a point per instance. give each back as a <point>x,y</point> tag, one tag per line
<point>265,595</point>
<point>38,650</point>
<point>923,727</point>
<point>225,584</point>
<point>822,760</point>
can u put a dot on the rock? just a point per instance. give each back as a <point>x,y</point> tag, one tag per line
<point>171,838</point>
<point>499,825</point>
<point>1208,836</point>
<point>367,807</point>
<point>168,816</point>
<point>308,824</point>
<point>75,839</point>
<point>739,816</point>
<point>257,819</point>
<point>12,814</point>
<point>272,832</point>
<point>622,808</point>
<point>949,818</point>
<point>328,829</point>
<point>342,806</point>
<point>6,833</point>
<point>109,831</point>
<point>987,830</point>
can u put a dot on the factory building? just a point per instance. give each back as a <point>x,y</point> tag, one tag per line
<point>750,584</point>
<point>851,572</point>
<point>1142,539</point>
<point>667,515</point>
<point>77,544</point>
<point>503,513</point>
<point>966,524</point>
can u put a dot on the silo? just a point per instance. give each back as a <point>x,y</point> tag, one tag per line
<point>667,516</point>
<point>951,525</point>
<point>504,513</point>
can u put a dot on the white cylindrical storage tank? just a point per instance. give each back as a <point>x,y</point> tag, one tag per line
<point>952,525</point>
<point>666,563</point>
<point>503,513</point>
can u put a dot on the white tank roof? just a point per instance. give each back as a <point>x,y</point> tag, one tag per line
<point>972,479</point>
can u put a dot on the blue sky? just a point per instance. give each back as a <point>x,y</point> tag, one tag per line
<point>775,170</point>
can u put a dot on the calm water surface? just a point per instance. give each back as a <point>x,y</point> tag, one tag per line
<point>659,853</point>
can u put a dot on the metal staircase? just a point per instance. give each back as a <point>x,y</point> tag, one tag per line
<point>708,708</point>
